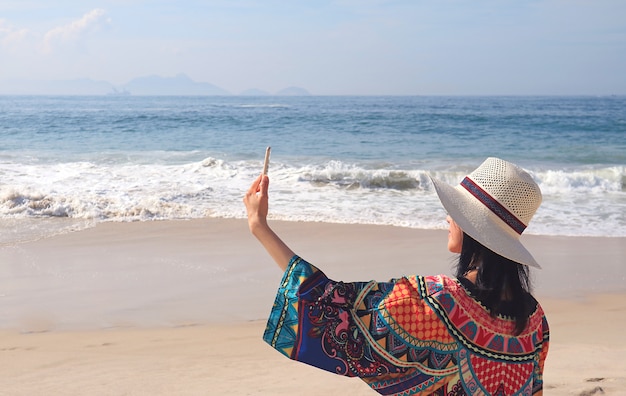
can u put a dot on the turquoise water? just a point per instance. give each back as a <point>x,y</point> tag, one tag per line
<point>83,160</point>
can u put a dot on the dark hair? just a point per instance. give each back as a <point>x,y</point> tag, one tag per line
<point>502,285</point>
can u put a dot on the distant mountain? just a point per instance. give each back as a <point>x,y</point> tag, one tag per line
<point>179,85</point>
<point>293,91</point>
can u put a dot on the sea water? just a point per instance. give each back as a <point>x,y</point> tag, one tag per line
<point>71,162</point>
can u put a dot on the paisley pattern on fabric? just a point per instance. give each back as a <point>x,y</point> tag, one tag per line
<point>409,336</point>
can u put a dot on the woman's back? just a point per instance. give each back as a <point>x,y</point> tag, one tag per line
<point>413,335</point>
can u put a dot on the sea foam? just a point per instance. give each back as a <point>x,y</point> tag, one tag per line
<point>582,201</point>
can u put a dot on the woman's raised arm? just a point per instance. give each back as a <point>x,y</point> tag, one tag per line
<point>256,201</point>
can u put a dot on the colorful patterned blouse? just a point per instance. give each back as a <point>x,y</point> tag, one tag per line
<point>418,335</point>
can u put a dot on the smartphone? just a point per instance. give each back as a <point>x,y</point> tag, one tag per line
<point>266,163</point>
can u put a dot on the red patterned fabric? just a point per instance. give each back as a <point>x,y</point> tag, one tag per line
<point>409,336</point>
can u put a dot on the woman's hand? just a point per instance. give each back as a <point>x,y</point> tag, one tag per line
<point>256,201</point>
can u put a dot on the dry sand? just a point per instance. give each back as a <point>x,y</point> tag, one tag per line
<point>178,307</point>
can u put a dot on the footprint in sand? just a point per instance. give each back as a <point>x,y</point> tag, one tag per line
<point>595,391</point>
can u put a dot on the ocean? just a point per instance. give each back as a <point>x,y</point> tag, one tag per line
<point>68,163</point>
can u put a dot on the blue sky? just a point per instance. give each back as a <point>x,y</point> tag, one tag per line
<point>342,47</point>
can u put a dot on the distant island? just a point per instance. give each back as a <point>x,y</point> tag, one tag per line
<point>171,86</point>
<point>179,85</point>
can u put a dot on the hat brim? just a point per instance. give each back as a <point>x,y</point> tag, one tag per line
<point>477,221</point>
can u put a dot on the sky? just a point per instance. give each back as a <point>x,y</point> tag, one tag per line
<point>328,47</point>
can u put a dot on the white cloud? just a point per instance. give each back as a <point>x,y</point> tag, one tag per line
<point>10,36</point>
<point>76,30</point>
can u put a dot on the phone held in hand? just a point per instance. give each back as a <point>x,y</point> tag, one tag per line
<point>266,163</point>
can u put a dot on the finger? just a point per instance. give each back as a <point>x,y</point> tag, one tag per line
<point>255,185</point>
<point>265,183</point>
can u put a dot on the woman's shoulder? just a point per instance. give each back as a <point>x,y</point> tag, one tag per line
<point>435,284</point>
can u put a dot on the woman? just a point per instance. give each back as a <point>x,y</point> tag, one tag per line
<point>480,333</point>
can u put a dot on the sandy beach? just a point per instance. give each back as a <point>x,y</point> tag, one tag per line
<point>179,307</point>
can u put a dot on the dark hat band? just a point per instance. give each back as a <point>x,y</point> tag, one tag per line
<point>503,213</point>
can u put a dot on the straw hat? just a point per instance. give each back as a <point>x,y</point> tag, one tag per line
<point>493,205</point>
